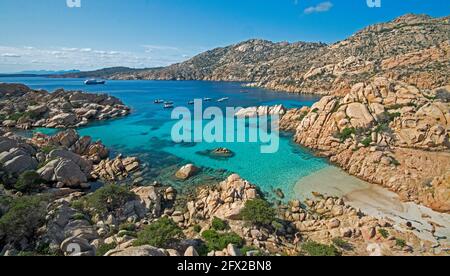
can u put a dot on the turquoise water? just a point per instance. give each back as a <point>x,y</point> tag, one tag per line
<point>146,132</point>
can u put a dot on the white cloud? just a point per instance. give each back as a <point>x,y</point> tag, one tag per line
<point>64,58</point>
<point>322,7</point>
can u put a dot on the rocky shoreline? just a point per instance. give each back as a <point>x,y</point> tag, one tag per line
<point>24,108</point>
<point>385,132</point>
<point>47,206</point>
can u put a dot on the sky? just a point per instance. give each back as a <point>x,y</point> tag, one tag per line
<point>50,35</point>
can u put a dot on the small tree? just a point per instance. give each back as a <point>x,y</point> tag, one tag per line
<point>218,224</point>
<point>219,241</point>
<point>159,233</point>
<point>109,198</point>
<point>258,212</point>
<point>24,216</point>
<point>28,182</point>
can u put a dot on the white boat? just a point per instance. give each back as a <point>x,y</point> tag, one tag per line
<point>159,101</point>
<point>191,102</point>
<point>223,99</point>
<point>207,99</point>
<point>168,106</point>
<point>94,82</point>
<point>169,103</point>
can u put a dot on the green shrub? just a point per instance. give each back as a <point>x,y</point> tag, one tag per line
<point>339,242</point>
<point>126,233</point>
<point>128,227</point>
<point>400,243</point>
<point>104,248</point>
<point>366,142</point>
<point>391,116</point>
<point>384,233</point>
<point>346,133</point>
<point>79,216</point>
<point>197,228</point>
<point>16,116</point>
<point>28,181</point>
<point>316,249</point>
<point>48,148</point>
<point>219,241</point>
<point>109,198</point>
<point>159,233</point>
<point>218,224</point>
<point>258,212</point>
<point>24,216</point>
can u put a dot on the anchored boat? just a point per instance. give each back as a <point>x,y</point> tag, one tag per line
<point>94,82</point>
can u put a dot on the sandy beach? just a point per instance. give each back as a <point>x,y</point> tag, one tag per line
<point>376,201</point>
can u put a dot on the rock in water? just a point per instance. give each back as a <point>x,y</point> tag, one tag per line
<point>186,172</point>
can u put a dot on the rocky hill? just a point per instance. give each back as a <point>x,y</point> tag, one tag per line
<point>413,48</point>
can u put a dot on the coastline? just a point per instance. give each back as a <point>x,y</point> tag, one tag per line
<point>376,201</point>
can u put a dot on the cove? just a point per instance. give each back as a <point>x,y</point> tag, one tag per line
<point>146,133</point>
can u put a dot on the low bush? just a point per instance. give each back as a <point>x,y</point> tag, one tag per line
<point>24,217</point>
<point>384,233</point>
<point>219,241</point>
<point>218,224</point>
<point>346,133</point>
<point>159,233</point>
<point>400,243</point>
<point>108,199</point>
<point>28,181</point>
<point>104,248</point>
<point>316,249</point>
<point>258,212</point>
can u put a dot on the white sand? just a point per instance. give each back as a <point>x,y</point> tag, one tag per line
<point>375,201</point>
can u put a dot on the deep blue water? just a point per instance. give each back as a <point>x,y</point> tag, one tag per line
<point>146,132</point>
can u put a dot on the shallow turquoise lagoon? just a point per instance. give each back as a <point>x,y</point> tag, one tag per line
<point>146,133</point>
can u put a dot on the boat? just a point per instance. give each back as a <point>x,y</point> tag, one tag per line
<point>191,102</point>
<point>223,99</point>
<point>207,99</point>
<point>168,106</point>
<point>94,82</point>
<point>168,103</point>
<point>159,101</point>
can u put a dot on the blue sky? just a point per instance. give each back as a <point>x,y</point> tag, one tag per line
<point>46,34</point>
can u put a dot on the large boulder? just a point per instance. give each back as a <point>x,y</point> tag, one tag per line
<point>140,251</point>
<point>69,173</point>
<point>186,172</point>
<point>20,164</point>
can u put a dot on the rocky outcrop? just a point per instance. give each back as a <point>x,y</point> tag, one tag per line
<point>116,169</point>
<point>412,48</point>
<point>226,201</point>
<point>251,112</point>
<point>22,107</point>
<point>385,132</point>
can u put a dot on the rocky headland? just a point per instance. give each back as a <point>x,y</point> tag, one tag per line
<point>385,132</point>
<point>25,108</point>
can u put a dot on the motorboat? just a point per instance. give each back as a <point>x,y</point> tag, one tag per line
<point>159,101</point>
<point>223,99</point>
<point>94,82</point>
